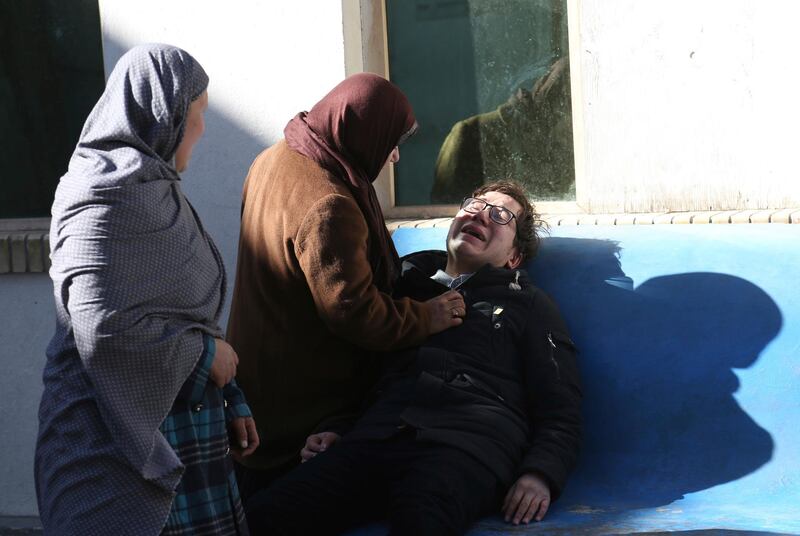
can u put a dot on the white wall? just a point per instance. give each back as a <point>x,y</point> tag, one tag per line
<point>687,104</point>
<point>27,321</point>
<point>267,61</point>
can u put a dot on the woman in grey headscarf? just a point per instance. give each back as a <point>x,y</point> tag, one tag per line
<point>138,393</point>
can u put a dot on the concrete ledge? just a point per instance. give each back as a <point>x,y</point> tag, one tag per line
<point>24,252</point>
<point>19,526</point>
<point>24,246</point>
<point>786,216</point>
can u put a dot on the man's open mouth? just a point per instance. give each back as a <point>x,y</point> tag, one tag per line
<point>473,231</point>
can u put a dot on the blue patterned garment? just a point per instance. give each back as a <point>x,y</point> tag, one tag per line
<point>207,499</point>
<point>139,286</point>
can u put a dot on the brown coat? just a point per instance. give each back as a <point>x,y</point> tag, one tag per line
<point>304,307</point>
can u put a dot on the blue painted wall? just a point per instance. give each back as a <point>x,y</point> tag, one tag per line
<point>689,339</point>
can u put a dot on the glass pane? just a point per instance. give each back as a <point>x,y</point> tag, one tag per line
<point>51,74</point>
<point>489,83</point>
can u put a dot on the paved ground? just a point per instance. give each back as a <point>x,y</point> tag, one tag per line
<point>19,526</point>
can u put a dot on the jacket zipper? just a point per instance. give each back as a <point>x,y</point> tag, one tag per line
<point>481,386</point>
<point>553,355</point>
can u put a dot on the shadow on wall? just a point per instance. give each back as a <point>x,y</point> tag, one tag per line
<point>656,361</point>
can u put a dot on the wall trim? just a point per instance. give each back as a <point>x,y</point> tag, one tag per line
<point>786,216</point>
<point>24,245</point>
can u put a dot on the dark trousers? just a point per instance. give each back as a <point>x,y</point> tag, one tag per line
<point>251,481</point>
<point>421,488</point>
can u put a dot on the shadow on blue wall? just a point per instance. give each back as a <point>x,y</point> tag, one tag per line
<point>657,363</point>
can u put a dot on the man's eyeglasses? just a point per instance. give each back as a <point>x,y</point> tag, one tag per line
<point>498,214</point>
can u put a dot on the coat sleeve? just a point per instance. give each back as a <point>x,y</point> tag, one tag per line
<point>331,247</point>
<point>554,396</point>
<point>235,403</point>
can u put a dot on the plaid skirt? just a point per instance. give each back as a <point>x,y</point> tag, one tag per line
<point>207,498</point>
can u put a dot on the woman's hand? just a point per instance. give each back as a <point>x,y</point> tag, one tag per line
<point>223,368</point>
<point>446,311</point>
<point>316,443</point>
<point>243,437</point>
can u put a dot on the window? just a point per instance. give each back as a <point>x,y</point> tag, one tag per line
<point>489,81</point>
<point>51,75</point>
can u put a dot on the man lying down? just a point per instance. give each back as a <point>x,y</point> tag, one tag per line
<point>483,417</point>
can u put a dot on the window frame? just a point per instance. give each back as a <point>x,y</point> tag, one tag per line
<point>366,50</point>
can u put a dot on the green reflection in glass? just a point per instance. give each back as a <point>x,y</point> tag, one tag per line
<point>51,74</point>
<point>489,83</point>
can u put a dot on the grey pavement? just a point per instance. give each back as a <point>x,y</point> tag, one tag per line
<point>19,526</point>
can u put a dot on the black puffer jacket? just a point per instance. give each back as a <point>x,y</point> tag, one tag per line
<point>503,386</point>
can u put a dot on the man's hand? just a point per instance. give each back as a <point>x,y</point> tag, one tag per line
<point>446,311</point>
<point>528,497</point>
<point>316,443</point>
<point>244,437</point>
<point>223,368</point>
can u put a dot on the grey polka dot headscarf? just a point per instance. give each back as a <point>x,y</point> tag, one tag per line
<point>137,279</point>
<point>136,126</point>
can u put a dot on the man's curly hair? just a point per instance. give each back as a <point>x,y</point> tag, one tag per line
<point>529,222</point>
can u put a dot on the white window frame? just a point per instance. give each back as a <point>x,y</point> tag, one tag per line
<point>366,50</point>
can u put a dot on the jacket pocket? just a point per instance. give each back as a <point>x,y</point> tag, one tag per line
<point>464,380</point>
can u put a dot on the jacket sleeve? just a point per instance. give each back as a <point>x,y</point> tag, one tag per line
<point>235,403</point>
<point>340,424</point>
<point>554,396</point>
<point>331,247</point>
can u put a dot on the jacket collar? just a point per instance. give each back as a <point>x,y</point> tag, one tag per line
<point>425,264</point>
